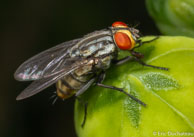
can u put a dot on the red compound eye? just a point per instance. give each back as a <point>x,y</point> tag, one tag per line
<point>119,24</point>
<point>122,40</point>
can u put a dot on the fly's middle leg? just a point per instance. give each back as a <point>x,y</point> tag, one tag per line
<point>123,60</point>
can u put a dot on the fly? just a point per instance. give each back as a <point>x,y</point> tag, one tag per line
<point>75,65</point>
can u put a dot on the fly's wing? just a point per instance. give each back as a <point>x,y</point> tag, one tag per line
<point>46,63</point>
<point>53,60</point>
<point>39,85</point>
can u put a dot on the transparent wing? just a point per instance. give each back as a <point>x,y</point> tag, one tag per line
<point>39,85</point>
<point>46,63</point>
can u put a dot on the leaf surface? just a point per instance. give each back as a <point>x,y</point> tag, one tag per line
<point>169,95</point>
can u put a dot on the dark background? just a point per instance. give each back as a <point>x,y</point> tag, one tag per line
<point>28,27</point>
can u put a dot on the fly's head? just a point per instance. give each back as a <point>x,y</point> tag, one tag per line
<point>124,37</point>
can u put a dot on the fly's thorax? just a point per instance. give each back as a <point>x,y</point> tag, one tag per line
<point>87,68</point>
<point>95,65</point>
<point>94,44</point>
<point>91,38</point>
<point>95,49</point>
<point>103,63</point>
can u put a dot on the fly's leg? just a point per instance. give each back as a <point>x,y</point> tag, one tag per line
<point>85,104</point>
<point>144,64</point>
<point>54,101</point>
<point>136,54</point>
<point>85,114</point>
<point>81,91</point>
<point>128,58</point>
<point>138,59</point>
<point>85,87</point>
<point>140,43</point>
<point>121,90</point>
<point>54,97</point>
<point>100,79</point>
<point>123,60</point>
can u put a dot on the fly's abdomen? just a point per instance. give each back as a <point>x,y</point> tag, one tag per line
<point>68,86</point>
<point>63,91</point>
<point>71,83</point>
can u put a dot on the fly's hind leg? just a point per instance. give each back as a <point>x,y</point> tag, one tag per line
<point>81,91</point>
<point>85,104</point>
<point>99,83</point>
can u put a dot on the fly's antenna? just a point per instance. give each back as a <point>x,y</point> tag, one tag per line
<point>134,25</point>
<point>135,31</point>
<point>140,34</point>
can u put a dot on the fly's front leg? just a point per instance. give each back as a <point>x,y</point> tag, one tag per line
<point>144,64</point>
<point>99,83</point>
<point>138,55</point>
<point>138,59</point>
<point>85,109</point>
<point>140,43</point>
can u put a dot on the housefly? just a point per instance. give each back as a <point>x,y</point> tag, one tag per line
<point>75,65</point>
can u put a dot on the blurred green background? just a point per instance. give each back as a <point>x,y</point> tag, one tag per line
<point>29,27</point>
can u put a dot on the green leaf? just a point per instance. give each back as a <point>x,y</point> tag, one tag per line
<point>173,17</point>
<point>169,95</point>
